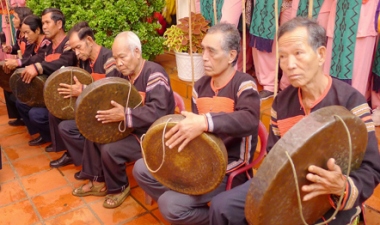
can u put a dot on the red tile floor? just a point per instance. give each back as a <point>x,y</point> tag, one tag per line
<point>32,193</point>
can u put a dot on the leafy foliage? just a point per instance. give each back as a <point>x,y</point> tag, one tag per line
<point>108,18</point>
<point>178,36</point>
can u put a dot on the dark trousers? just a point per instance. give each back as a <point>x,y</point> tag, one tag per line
<point>72,139</point>
<point>56,139</point>
<point>36,119</point>
<point>10,102</point>
<point>106,162</point>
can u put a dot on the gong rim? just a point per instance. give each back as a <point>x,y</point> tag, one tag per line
<point>195,170</point>
<point>63,108</point>
<point>276,176</point>
<point>30,94</point>
<point>97,96</point>
<point>4,78</point>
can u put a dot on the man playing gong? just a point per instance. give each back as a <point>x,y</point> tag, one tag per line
<point>225,102</point>
<point>104,164</point>
<point>302,51</point>
<point>58,54</point>
<point>96,60</point>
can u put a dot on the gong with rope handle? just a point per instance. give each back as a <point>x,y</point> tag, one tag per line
<point>198,169</point>
<point>97,96</point>
<point>272,196</point>
<point>30,94</point>
<point>4,78</point>
<point>57,105</point>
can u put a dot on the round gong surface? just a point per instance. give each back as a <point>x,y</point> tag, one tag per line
<point>4,78</point>
<point>30,94</point>
<point>272,197</point>
<point>98,96</point>
<point>198,169</point>
<point>60,107</point>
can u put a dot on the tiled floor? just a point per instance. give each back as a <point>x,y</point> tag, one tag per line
<point>33,193</point>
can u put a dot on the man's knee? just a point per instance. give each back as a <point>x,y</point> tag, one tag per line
<point>38,116</point>
<point>139,169</point>
<point>170,209</point>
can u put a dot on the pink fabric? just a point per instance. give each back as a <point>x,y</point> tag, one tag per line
<point>6,27</point>
<point>265,63</point>
<point>366,22</point>
<point>231,11</point>
<point>362,62</point>
<point>365,43</point>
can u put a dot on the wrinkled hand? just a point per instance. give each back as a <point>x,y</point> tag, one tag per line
<point>330,181</point>
<point>28,74</point>
<point>9,65</point>
<point>115,114</point>
<point>6,48</point>
<point>186,130</point>
<point>68,90</point>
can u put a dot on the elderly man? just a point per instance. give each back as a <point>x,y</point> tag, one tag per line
<point>57,54</point>
<point>233,114</point>
<point>96,60</point>
<point>104,164</point>
<point>302,50</point>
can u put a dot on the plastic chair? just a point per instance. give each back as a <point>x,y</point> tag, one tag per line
<point>263,137</point>
<point>181,106</point>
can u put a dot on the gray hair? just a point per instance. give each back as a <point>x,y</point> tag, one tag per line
<point>231,37</point>
<point>131,39</point>
<point>316,33</point>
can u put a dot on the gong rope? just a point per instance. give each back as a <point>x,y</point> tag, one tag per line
<point>342,193</point>
<point>163,149</point>
<point>126,107</point>
<point>70,105</point>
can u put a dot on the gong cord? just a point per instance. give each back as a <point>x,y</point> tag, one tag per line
<point>163,149</point>
<point>342,193</point>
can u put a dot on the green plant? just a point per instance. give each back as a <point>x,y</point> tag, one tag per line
<point>178,37</point>
<point>108,18</point>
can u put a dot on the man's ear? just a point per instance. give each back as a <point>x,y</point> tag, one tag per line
<point>59,24</point>
<point>321,52</point>
<point>233,55</point>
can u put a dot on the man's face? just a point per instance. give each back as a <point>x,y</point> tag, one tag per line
<point>215,59</point>
<point>82,48</point>
<point>127,62</point>
<point>298,60</point>
<point>30,36</point>
<point>16,20</point>
<point>49,27</point>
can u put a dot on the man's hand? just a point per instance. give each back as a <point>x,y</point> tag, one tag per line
<point>70,90</point>
<point>115,114</point>
<point>9,65</point>
<point>6,48</point>
<point>186,130</point>
<point>330,181</point>
<point>28,74</point>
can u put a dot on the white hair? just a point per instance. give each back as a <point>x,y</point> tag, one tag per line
<point>131,39</point>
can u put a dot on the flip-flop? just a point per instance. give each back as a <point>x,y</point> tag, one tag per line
<point>117,199</point>
<point>94,191</point>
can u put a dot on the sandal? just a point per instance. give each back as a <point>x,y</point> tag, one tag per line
<point>117,199</point>
<point>94,190</point>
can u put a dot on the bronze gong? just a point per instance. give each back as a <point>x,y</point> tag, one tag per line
<point>98,96</point>
<point>272,196</point>
<point>30,94</point>
<point>60,107</point>
<point>4,78</point>
<point>198,169</point>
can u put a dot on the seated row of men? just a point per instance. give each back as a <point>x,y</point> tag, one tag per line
<point>224,102</point>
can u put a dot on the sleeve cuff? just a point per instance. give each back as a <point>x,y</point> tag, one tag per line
<point>128,118</point>
<point>350,196</point>
<point>209,122</point>
<point>19,63</point>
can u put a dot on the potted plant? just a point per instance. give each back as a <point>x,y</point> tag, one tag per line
<point>178,40</point>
